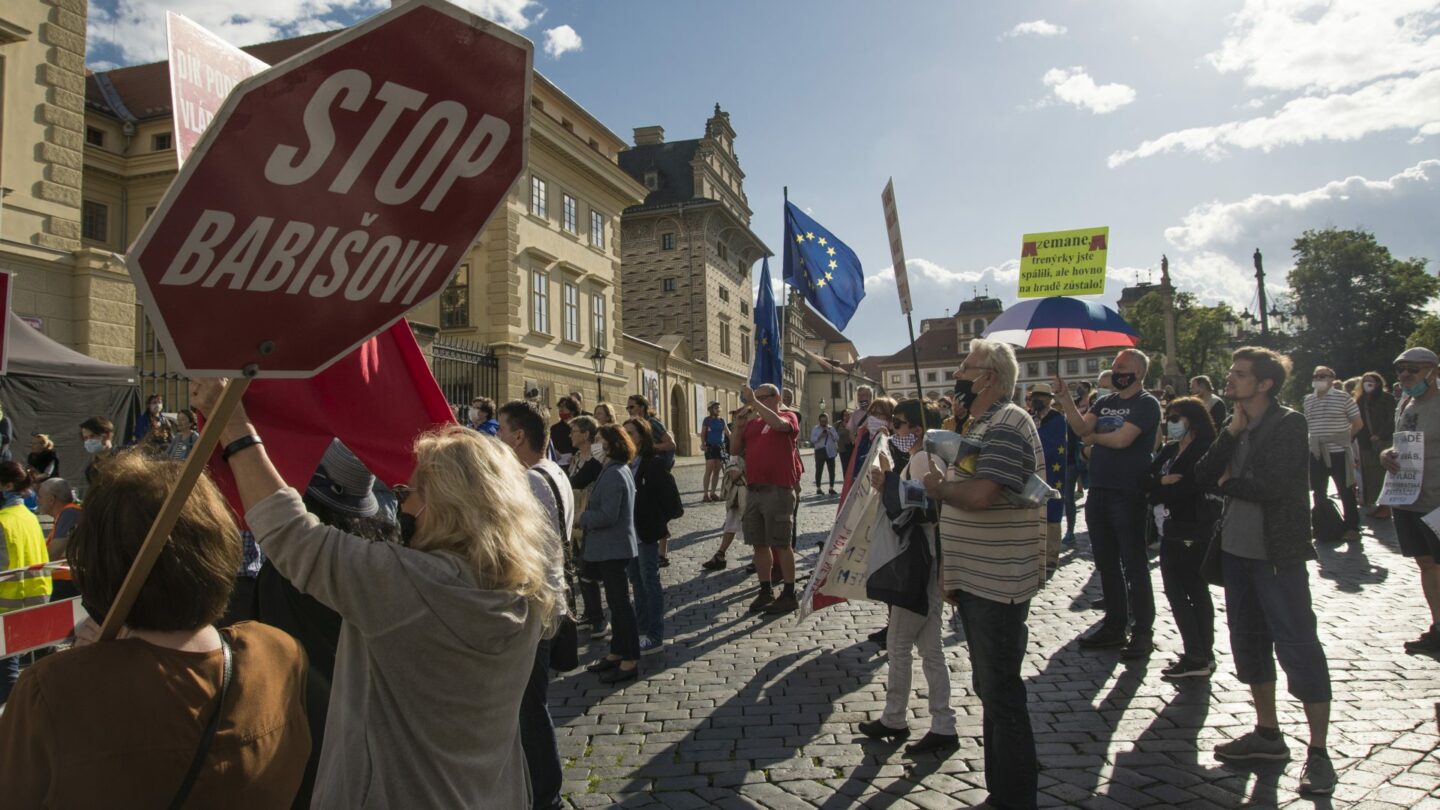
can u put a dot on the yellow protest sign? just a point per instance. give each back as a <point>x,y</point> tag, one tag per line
<point>1063,263</point>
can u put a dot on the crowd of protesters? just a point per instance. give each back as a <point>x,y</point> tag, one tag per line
<point>516,532</point>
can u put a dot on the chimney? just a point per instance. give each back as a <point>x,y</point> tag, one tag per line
<point>649,136</point>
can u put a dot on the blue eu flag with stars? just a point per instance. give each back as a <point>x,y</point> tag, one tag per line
<point>768,367</point>
<point>825,271</point>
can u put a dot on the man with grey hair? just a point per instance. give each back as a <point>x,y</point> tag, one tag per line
<point>992,559</point>
<point>766,436</point>
<point>56,498</point>
<point>1120,431</point>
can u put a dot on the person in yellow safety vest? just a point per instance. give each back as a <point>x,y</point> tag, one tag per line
<point>24,545</point>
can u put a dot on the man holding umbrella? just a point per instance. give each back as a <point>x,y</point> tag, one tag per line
<point>1120,430</point>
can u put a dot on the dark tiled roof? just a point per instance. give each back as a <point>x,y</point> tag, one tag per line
<point>672,162</point>
<point>144,90</point>
<point>934,346</point>
<point>870,366</point>
<point>1132,295</point>
<point>984,305</point>
<point>821,327</point>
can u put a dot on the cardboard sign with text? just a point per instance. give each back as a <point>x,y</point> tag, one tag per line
<point>897,247</point>
<point>840,570</point>
<point>1064,262</point>
<point>203,70</point>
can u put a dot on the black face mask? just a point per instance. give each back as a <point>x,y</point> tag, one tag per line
<point>1122,381</point>
<point>407,528</point>
<point>965,393</point>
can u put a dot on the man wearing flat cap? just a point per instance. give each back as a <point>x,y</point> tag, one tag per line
<point>1420,411</point>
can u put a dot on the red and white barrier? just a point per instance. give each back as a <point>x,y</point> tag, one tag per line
<point>40,626</point>
<point>59,569</point>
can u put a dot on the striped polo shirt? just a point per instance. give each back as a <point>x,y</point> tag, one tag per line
<point>1330,415</point>
<point>996,553</point>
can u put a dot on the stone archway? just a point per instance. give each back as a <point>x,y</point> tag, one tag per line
<point>680,421</point>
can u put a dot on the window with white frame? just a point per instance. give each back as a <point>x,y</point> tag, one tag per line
<point>570,308</point>
<point>895,378</point>
<point>571,221</point>
<point>725,339</point>
<point>539,302</point>
<point>537,196</point>
<point>597,229</point>
<point>597,319</point>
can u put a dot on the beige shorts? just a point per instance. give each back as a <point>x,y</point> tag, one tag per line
<point>769,515</point>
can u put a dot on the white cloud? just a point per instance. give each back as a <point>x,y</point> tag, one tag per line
<point>1350,68</point>
<point>1038,28</point>
<point>1354,201</point>
<point>562,40</point>
<point>1215,240</point>
<point>1308,44</point>
<point>1411,103</point>
<point>135,29</point>
<point>1074,86</point>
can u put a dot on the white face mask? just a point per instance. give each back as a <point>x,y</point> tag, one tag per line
<point>1370,386</point>
<point>475,415</point>
<point>1321,386</point>
<point>1176,430</point>
<point>875,424</point>
<point>1104,392</point>
<point>94,445</point>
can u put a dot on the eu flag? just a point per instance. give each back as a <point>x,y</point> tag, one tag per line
<point>768,367</point>
<point>825,271</point>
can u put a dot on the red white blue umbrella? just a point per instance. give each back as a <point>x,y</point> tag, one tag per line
<point>1061,323</point>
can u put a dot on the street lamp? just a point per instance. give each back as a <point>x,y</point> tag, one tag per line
<point>598,359</point>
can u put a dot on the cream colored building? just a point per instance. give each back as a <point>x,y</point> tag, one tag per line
<point>688,252</point>
<point>75,289</point>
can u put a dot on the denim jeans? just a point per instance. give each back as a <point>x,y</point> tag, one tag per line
<point>624,637</point>
<point>1189,596</point>
<point>1268,608</point>
<point>9,674</point>
<point>649,599</point>
<point>537,734</point>
<point>997,635</point>
<point>1116,518</point>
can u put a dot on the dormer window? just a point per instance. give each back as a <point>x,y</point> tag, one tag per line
<point>652,180</point>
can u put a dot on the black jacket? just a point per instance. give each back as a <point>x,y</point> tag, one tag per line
<point>657,500</point>
<point>1191,511</point>
<point>1278,478</point>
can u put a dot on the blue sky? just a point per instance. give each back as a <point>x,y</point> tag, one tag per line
<point>1201,130</point>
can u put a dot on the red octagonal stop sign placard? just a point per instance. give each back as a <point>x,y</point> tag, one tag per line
<point>336,191</point>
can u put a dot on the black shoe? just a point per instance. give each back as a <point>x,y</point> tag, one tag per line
<point>876,730</point>
<point>1103,639</point>
<point>750,568</point>
<point>833,493</point>
<point>1140,646</point>
<point>786,603</point>
<point>1429,642</point>
<point>1187,667</point>
<point>664,562</point>
<point>1097,604</point>
<point>620,675</point>
<point>714,563</point>
<point>604,665</point>
<point>762,601</point>
<point>879,636</point>
<point>933,743</point>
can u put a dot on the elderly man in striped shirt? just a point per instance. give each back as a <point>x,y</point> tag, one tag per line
<point>992,560</point>
<point>1334,419</point>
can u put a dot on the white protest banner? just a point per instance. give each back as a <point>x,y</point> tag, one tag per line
<point>1403,487</point>
<point>203,70</point>
<point>857,514</point>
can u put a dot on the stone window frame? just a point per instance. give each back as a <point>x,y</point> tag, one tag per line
<point>538,193</point>
<point>94,221</point>
<point>539,301</point>
<point>570,311</point>
<point>570,214</point>
<point>598,317</point>
<point>597,228</point>
<point>667,241</point>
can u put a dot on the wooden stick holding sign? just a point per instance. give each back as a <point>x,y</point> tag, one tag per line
<point>159,533</point>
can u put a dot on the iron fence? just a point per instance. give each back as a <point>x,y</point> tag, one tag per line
<point>465,370</point>
<point>153,367</point>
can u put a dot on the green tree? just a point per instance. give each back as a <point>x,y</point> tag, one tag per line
<point>1426,334</point>
<point>1202,345</point>
<point>1359,303</point>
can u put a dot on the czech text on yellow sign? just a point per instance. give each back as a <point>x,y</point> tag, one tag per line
<point>1063,263</point>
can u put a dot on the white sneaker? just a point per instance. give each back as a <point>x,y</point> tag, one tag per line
<point>649,646</point>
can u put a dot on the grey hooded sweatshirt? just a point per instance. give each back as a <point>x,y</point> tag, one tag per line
<point>428,674</point>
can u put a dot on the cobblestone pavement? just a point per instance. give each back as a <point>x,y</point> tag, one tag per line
<point>744,711</point>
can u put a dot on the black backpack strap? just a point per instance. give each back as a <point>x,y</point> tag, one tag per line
<point>559,504</point>
<point>208,736</point>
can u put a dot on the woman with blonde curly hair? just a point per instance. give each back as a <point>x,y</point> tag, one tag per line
<point>439,633</point>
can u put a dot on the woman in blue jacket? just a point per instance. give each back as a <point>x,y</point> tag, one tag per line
<point>610,545</point>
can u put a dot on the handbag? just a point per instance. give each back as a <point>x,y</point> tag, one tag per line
<point>208,736</point>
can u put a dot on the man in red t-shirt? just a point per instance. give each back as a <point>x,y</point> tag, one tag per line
<point>766,439</point>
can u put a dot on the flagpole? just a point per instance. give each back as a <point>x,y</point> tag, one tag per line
<point>919,384</point>
<point>785,192</point>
